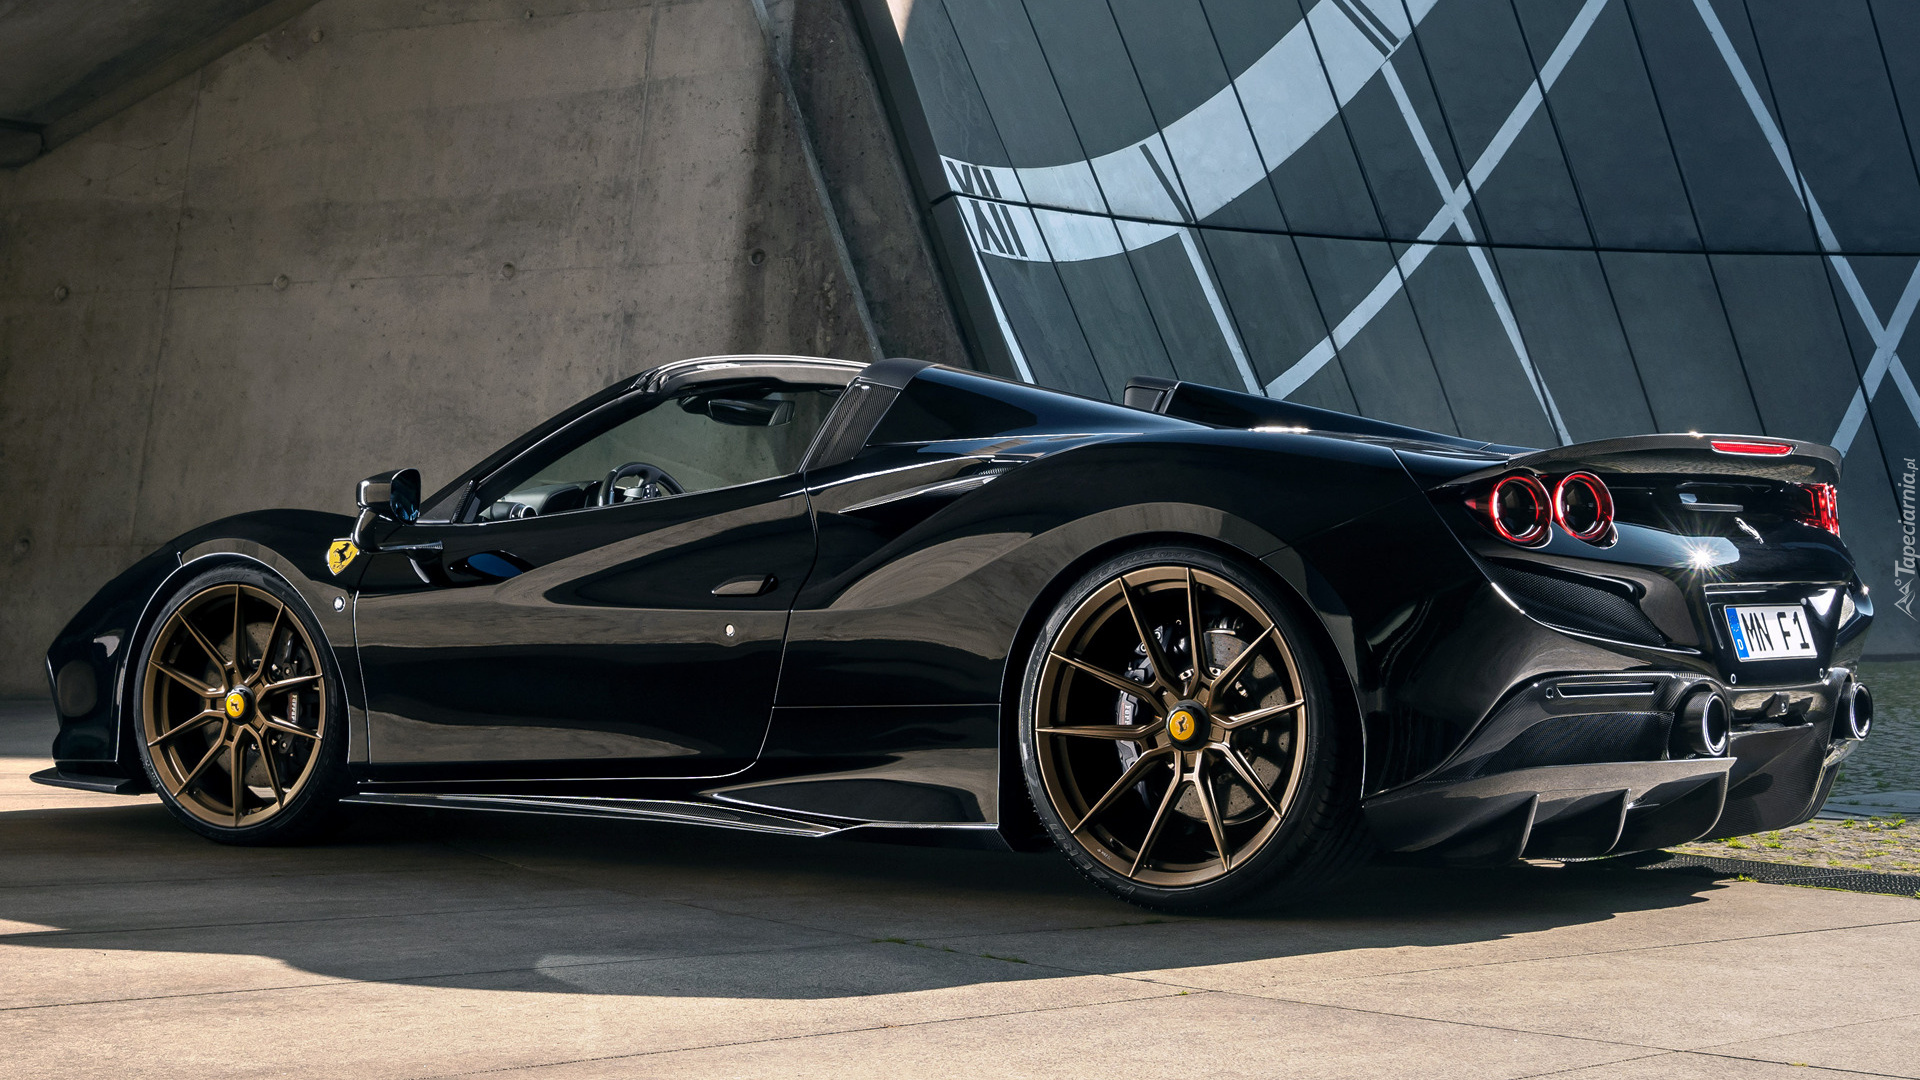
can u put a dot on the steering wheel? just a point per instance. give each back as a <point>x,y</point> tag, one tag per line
<point>654,482</point>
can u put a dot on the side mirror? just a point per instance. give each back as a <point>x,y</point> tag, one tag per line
<point>391,496</point>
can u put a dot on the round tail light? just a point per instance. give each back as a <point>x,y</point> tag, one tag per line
<point>1583,506</point>
<point>1519,509</point>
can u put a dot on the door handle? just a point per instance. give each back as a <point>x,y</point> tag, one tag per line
<point>750,585</point>
<point>494,565</point>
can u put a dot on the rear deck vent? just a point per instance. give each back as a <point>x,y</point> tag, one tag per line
<point>1605,689</point>
<point>1587,609</point>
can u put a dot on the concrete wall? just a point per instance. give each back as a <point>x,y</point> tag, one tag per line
<point>392,233</point>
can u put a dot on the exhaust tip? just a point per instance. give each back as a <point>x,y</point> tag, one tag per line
<point>1703,726</point>
<point>1854,719</point>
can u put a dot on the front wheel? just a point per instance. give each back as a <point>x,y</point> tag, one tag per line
<point>1180,741</point>
<point>241,723</point>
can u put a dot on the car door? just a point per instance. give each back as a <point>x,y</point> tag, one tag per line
<point>552,631</point>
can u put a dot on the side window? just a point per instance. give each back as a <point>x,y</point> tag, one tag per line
<point>703,439</point>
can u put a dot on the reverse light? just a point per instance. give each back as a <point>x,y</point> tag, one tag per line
<point>1520,510</point>
<point>1583,506</point>
<point>1823,507</point>
<point>1751,447</point>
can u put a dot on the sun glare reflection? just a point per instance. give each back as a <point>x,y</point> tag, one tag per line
<point>1708,554</point>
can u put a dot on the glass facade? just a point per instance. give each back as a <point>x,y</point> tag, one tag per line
<point>1527,221</point>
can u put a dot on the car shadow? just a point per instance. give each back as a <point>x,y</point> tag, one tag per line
<point>507,902</point>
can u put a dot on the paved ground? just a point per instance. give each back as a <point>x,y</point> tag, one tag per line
<point>1883,845</point>
<point>433,945</point>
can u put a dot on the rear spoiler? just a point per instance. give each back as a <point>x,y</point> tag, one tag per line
<point>1787,460</point>
<point>1765,458</point>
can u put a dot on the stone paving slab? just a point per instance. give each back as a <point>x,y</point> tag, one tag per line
<point>1690,1066</point>
<point>517,1019</point>
<point>1887,1047</point>
<point>1199,1034</point>
<point>1443,921</point>
<point>427,944</point>
<point>1678,997</point>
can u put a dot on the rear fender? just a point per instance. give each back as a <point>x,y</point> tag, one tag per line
<point>937,594</point>
<point>927,613</point>
<point>1018,824</point>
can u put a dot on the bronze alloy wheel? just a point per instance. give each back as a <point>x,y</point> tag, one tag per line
<point>232,706</point>
<point>1170,772</point>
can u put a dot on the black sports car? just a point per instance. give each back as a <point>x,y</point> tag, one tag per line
<point>1213,647</point>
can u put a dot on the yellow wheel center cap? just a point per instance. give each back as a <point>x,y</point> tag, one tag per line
<point>1182,724</point>
<point>236,704</point>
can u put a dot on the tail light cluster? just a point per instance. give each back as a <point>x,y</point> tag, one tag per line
<point>1822,509</point>
<point>1523,510</point>
<point>1752,447</point>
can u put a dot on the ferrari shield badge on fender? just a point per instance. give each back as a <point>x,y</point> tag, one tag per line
<point>339,554</point>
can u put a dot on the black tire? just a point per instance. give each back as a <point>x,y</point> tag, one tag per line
<point>289,736</point>
<point>1301,836</point>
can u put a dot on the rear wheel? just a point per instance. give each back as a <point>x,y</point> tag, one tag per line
<point>241,724</point>
<point>1180,741</point>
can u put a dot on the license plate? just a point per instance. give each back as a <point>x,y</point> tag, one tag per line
<point>1770,633</point>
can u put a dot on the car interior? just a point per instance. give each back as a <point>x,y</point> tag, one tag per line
<point>705,437</point>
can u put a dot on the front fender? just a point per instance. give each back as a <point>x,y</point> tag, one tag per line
<point>103,637</point>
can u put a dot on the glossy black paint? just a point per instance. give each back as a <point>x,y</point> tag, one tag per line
<point>609,656</point>
<point>922,763</point>
<point>919,600</point>
<point>292,543</point>
<point>584,663</point>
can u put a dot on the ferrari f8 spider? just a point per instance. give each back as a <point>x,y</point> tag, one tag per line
<point>1214,648</point>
